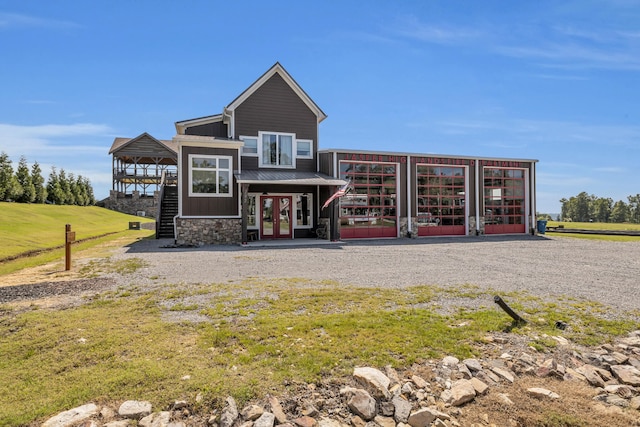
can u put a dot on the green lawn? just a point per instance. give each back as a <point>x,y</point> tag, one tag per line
<point>27,227</point>
<point>260,336</point>
<point>595,225</point>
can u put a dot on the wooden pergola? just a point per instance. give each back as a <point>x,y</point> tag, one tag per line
<point>141,163</point>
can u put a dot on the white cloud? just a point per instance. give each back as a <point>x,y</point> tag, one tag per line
<point>412,28</point>
<point>16,20</point>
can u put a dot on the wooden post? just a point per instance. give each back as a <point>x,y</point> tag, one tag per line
<point>69,237</point>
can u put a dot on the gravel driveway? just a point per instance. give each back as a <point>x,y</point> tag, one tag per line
<point>608,272</point>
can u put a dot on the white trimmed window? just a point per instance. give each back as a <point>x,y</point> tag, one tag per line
<point>276,150</point>
<point>250,145</point>
<point>304,149</point>
<point>210,176</point>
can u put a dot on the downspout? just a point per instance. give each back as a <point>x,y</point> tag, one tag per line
<point>532,192</point>
<point>179,184</point>
<point>409,196</point>
<point>477,196</point>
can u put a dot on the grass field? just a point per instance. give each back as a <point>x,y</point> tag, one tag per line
<point>595,225</point>
<point>259,337</point>
<point>28,227</point>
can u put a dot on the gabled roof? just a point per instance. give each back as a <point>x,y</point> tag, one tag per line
<point>121,143</point>
<point>183,124</point>
<point>278,69</point>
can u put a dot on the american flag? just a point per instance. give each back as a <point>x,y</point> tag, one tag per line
<point>341,192</point>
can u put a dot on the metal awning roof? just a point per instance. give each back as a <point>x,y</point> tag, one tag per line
<point>286,177</point>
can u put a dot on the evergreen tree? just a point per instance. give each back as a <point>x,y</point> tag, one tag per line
<point>63,180</point>
<point>40,192</point>
<point>55,194</point>
<point>602,209</point>
<point>634,208</point>
<point>620,212</point>
<point>73,191</point>
<point>9,187</point>
<point>82,196</point>
<point>91,200</point>
<point>24,179</point>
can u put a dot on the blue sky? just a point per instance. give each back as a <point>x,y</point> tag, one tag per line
<point>547,80</point>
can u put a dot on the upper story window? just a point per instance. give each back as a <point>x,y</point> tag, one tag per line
<point>250,145</point>
<point>304,149</point>
<point>210,176</point>
<point>277,149</point>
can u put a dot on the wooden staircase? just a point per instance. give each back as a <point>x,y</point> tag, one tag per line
<point>168,210</point>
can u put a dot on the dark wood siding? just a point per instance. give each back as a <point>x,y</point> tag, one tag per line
<point>249,163</point>
<point>326,163</point>
<point>208,206</point>
<point>217,129</point>
<point>275,107</point>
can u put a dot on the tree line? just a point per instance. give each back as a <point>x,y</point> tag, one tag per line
<point>28,186</point>
<point>585,208</point>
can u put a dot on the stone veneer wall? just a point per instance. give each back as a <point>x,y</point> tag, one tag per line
<point>133,204</point>
<point>208,231</point>
<point>404,228</point>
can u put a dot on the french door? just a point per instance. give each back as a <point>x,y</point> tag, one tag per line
<point>276,217</point>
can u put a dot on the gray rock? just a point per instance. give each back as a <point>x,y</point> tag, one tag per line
<point>420,382</point>
<point>160,419</point>
<point>450,361</point>
<point>407,389</point>
<point>373,378</point>
<point>542,393</point>
<point>276,410</point>
<point>134,409</point>
<point>503,373</point>
<point>466,373</point>
<point>462,391</point>
<point>621,390</point>
<point>402,409</point>
<point>120,423</point>
<point>266,419</point>
<point>384,421</point>
<point>473,364</point>
<point>590,372</point>
<point>421,418</point>
<point>229,413</point>
<point>72,416</point>
<point>252,412</point>
<point>392,374</point>
<point>613,399</point>
<point>479,386</point>
<point>632,341</point>
<point>362,404</point>
<point>626,374</point>
<point>328,422</point>
<point>634,403</point>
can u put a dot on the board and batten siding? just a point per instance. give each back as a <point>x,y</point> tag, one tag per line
<point>275,107</point>
<point>208,206</point>
<point>216,129</point>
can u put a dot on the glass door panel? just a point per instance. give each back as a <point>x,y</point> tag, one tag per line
<point>267,216</point>
<point>276,217</point>
<point>285,217</point>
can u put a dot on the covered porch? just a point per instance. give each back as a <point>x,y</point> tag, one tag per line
<point>285,205</point>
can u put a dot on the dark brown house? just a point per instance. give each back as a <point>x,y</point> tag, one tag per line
<point>254,172</point>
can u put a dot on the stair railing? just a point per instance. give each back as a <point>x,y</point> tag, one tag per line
<point>160,199</point>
